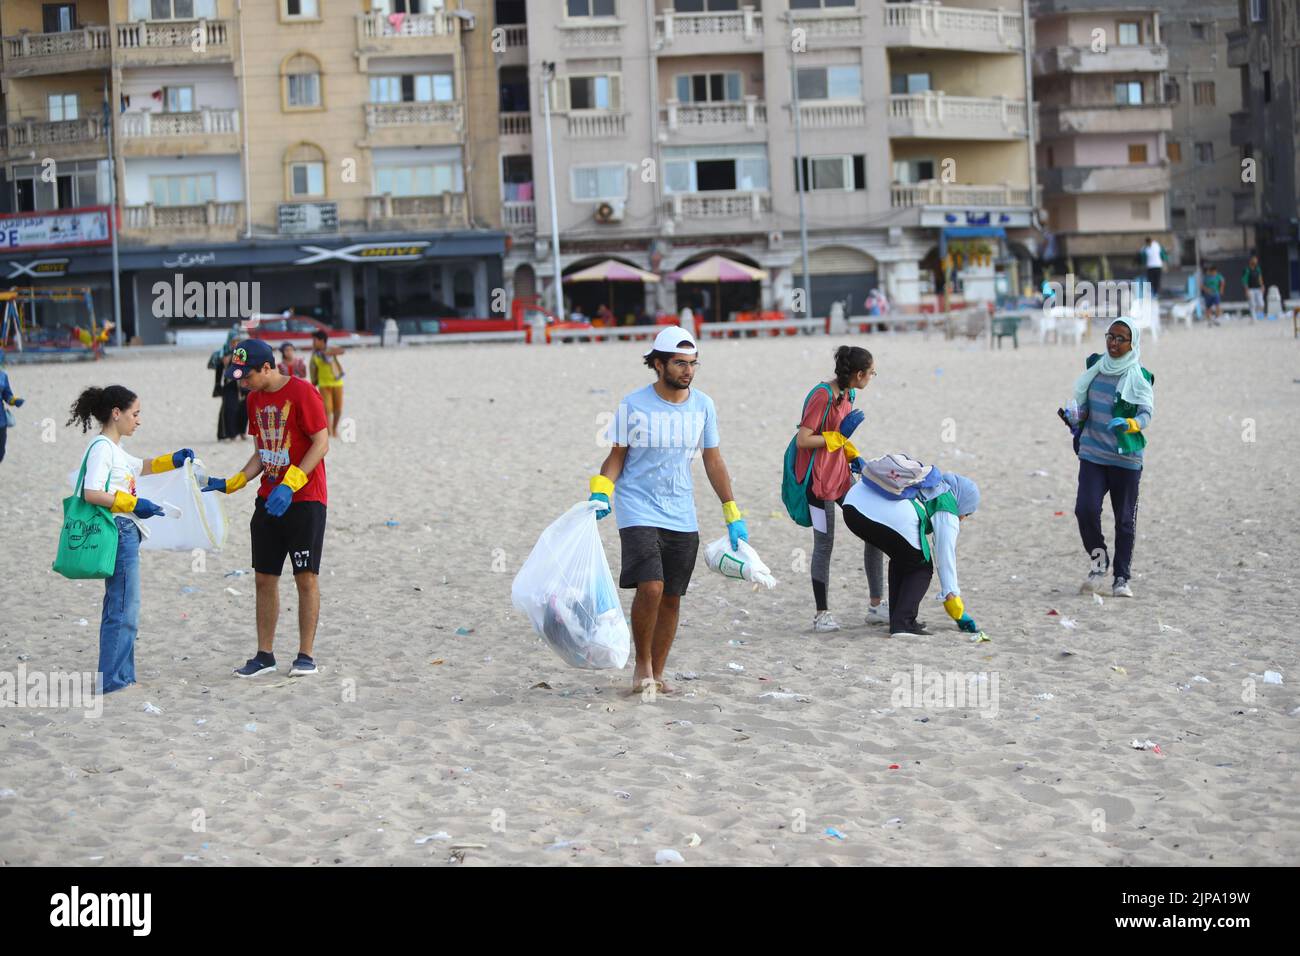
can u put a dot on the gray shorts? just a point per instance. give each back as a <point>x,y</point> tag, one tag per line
<point>656,554</point>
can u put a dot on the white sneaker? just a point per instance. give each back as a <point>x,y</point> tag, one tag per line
<point>1121,588</point>
<point>879,614</point>
<point>824,622</point>
<point>1095,584</point>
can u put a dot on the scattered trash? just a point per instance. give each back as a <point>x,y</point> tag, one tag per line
<point>1272,677</point>
<point>1201,680</point>
<point>733,666</point>
<point>440,835</point>
<point>151,709</point>
<point>560,845</point>
<point>668,856</point>
<point>1053,612</point>
<point>188,589</point>
<point>1038,473</point>
<point>540,684</point>
<point>689,675</point>
<point>6,792</point>
<point>622,794</point>
<point>1067,653</point>
<point>783,695</point>
<point>980,638</point>
<point>1069,622</point>
<point>1118,670</point>
<point>390,523</point>
<point>232,591</point>
<point>892,823</point>
<point>251,728</point>
<point>200,721</point>
<point>893,766</point>
<point>1166,627</point>
<point>1044,696</point>
<point>237,573</point>
<point>1097,599</point>
<point>693,840</point>
<point>82,623</point>
<point>1150,745</point>
<point>1058,514</point>
<point>463,631</point>
<point>832,832</point>
<point>735,643</point>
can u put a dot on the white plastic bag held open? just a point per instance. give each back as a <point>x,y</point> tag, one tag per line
<point>566,590</point>
<point>202,522</point>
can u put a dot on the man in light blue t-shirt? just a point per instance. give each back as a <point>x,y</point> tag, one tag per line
<point>656,433</point>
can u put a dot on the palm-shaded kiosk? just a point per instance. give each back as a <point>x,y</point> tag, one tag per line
<point>716,270</point>
<point>609,272</point>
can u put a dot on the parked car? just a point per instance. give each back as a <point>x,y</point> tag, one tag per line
<point>294,329</point>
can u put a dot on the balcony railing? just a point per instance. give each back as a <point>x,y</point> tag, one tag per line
<point>830,24</point>
<point>745,24</point>
<point>590,34</point>
<point>516,124</point>
<point>88,129</point>
<point>815,115</point>
<point>519,215</point>
<point>936,112</point>
<point>750,112</point>
<point>444,209</point>
<point>719,205</point>
<point>378,25</point>
<point>516,35</point>
<point>1139,178</point>
<point>596,124</point>
<point>176,35</point>
<point>953,27</point>
<point>141,125</point>
<point>183,218</point>
<point>35,45</point>
<point>386,115</point>
<point>1115,58</point>
<point>932,193</point>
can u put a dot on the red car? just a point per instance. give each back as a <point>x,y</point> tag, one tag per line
<point>294,329</point>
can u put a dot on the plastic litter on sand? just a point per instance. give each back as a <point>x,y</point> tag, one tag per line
<point>668,856</point>
<point>151,709</point>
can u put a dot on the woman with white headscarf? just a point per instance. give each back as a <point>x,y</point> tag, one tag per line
<point>1115,403</point>
<point>899,525</point>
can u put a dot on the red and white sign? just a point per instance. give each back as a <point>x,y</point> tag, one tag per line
<point>30,231</point>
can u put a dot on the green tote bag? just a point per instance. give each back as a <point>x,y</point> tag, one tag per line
<point>88,541</point>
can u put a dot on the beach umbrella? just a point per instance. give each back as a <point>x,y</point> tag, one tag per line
<point>611,271</point>
<point>718,269</point>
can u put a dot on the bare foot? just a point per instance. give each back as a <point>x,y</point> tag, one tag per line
<point>645,686</point>
<point>664,687</point>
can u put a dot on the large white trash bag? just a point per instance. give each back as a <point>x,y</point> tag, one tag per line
<point>743,564</point>
<point>566,590</point>
<point>201,524</point>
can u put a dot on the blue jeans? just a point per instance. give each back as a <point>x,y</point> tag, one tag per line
<point>1095,483</point>
<point>121,617</point>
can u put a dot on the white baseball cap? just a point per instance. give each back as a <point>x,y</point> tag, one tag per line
<point>666,341</point>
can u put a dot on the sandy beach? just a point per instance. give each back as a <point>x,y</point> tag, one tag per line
<point>441,730</point>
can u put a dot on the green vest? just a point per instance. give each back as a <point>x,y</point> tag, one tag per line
<point>1129,443</point>
<point>925,512</point>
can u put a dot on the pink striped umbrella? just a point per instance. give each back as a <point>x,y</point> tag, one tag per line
<point>718,269</point>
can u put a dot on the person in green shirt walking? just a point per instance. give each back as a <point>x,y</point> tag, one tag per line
<point>1212,294</point>
<point>1253,281</point>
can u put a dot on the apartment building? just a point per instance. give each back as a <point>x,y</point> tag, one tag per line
<point>1103,131</point>
<point>674,127</point>
<point>320,148</point>
<point>1265,50</point>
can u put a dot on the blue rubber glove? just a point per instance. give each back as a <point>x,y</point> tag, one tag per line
<point>601,512</point>
<point>215,484</point>
<point>144,508</point>
<point>278,501</point>
<point>967,624</point>
<point>738,531</point>
<point>179,457</point>
<point>1118,425</point>
<point>18,402</point>
<point>851,422</point>
<point>857,464</point>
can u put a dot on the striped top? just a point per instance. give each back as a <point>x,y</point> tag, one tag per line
<point>1097,443</point>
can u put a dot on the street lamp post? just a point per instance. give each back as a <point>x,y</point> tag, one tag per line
<point>548,73</point>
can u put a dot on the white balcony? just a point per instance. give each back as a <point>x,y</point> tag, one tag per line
<point>516,124</point>
<point>596,33</point>
<point>519,216</point>
<point>414,124</point>
<point>933,193</point>
<point>935,115</point>
<point>693,34</point>
<point>713,120</point>
<point>516,46</point>
<point>83,49</point>
<point>211,221</point>
<point>443,211</point>
<point>62,139</point>
<point>174,42</point>
<point>933,27</point>
<point>411,34</point>
<point>719,205</point>
<point>814,115</point>
<point>142,125</point>
<point>596,124</point>
<point>829,28</point>
<point>1152,58</point>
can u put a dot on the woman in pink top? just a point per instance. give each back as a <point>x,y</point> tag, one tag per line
<point>829,418</point>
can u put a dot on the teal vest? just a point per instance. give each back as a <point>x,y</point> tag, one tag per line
<point>1129,444</point>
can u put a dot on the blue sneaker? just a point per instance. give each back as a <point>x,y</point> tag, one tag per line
<point>262,663</point>
<point>302,665</point>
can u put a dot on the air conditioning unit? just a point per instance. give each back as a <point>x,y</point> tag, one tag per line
<point>611,211</point>
<point>774,240</point>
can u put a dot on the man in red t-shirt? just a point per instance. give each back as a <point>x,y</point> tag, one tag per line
<point>287,418</point>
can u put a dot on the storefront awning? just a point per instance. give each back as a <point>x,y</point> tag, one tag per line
<point>968,232</point>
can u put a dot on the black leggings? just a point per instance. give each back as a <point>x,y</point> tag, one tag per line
<point>909,571</point>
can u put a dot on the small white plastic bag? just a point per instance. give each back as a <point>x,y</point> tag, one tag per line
<point>567,591</point>
<point>743,564</point>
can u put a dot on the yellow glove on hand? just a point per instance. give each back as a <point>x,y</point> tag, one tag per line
<point>123,503</point>
<point>834,441</point>
<point>730,512</point>
<point>295,478</point>
<point>600,485</point>
<point>954,607</point>
<point>850,452</point>
<point>235,482</point>
<point>1132,425</point>
<point>162,463</point>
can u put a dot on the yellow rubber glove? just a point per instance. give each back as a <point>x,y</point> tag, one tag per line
<point>954,607</point>
<point>834,441</point>
<point>235,482</point>
<point>1132,425</point>
<point>730,512</point>
<point>162,463</point>
<point>123,503</point>
<point>600,485</point>
<point>295,478</point>
<point>850,452</point>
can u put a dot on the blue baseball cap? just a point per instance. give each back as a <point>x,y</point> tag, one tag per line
<point>249,356</point>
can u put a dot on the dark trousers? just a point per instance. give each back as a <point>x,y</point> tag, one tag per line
<point>909,571</point>
<point>4,435</point>
<point>1153,276</point>
<point>1095,482</point>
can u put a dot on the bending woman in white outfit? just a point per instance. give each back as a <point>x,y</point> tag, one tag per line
<point>899,527</point>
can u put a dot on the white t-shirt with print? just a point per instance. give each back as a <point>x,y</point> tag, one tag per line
<point>109,464</point>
